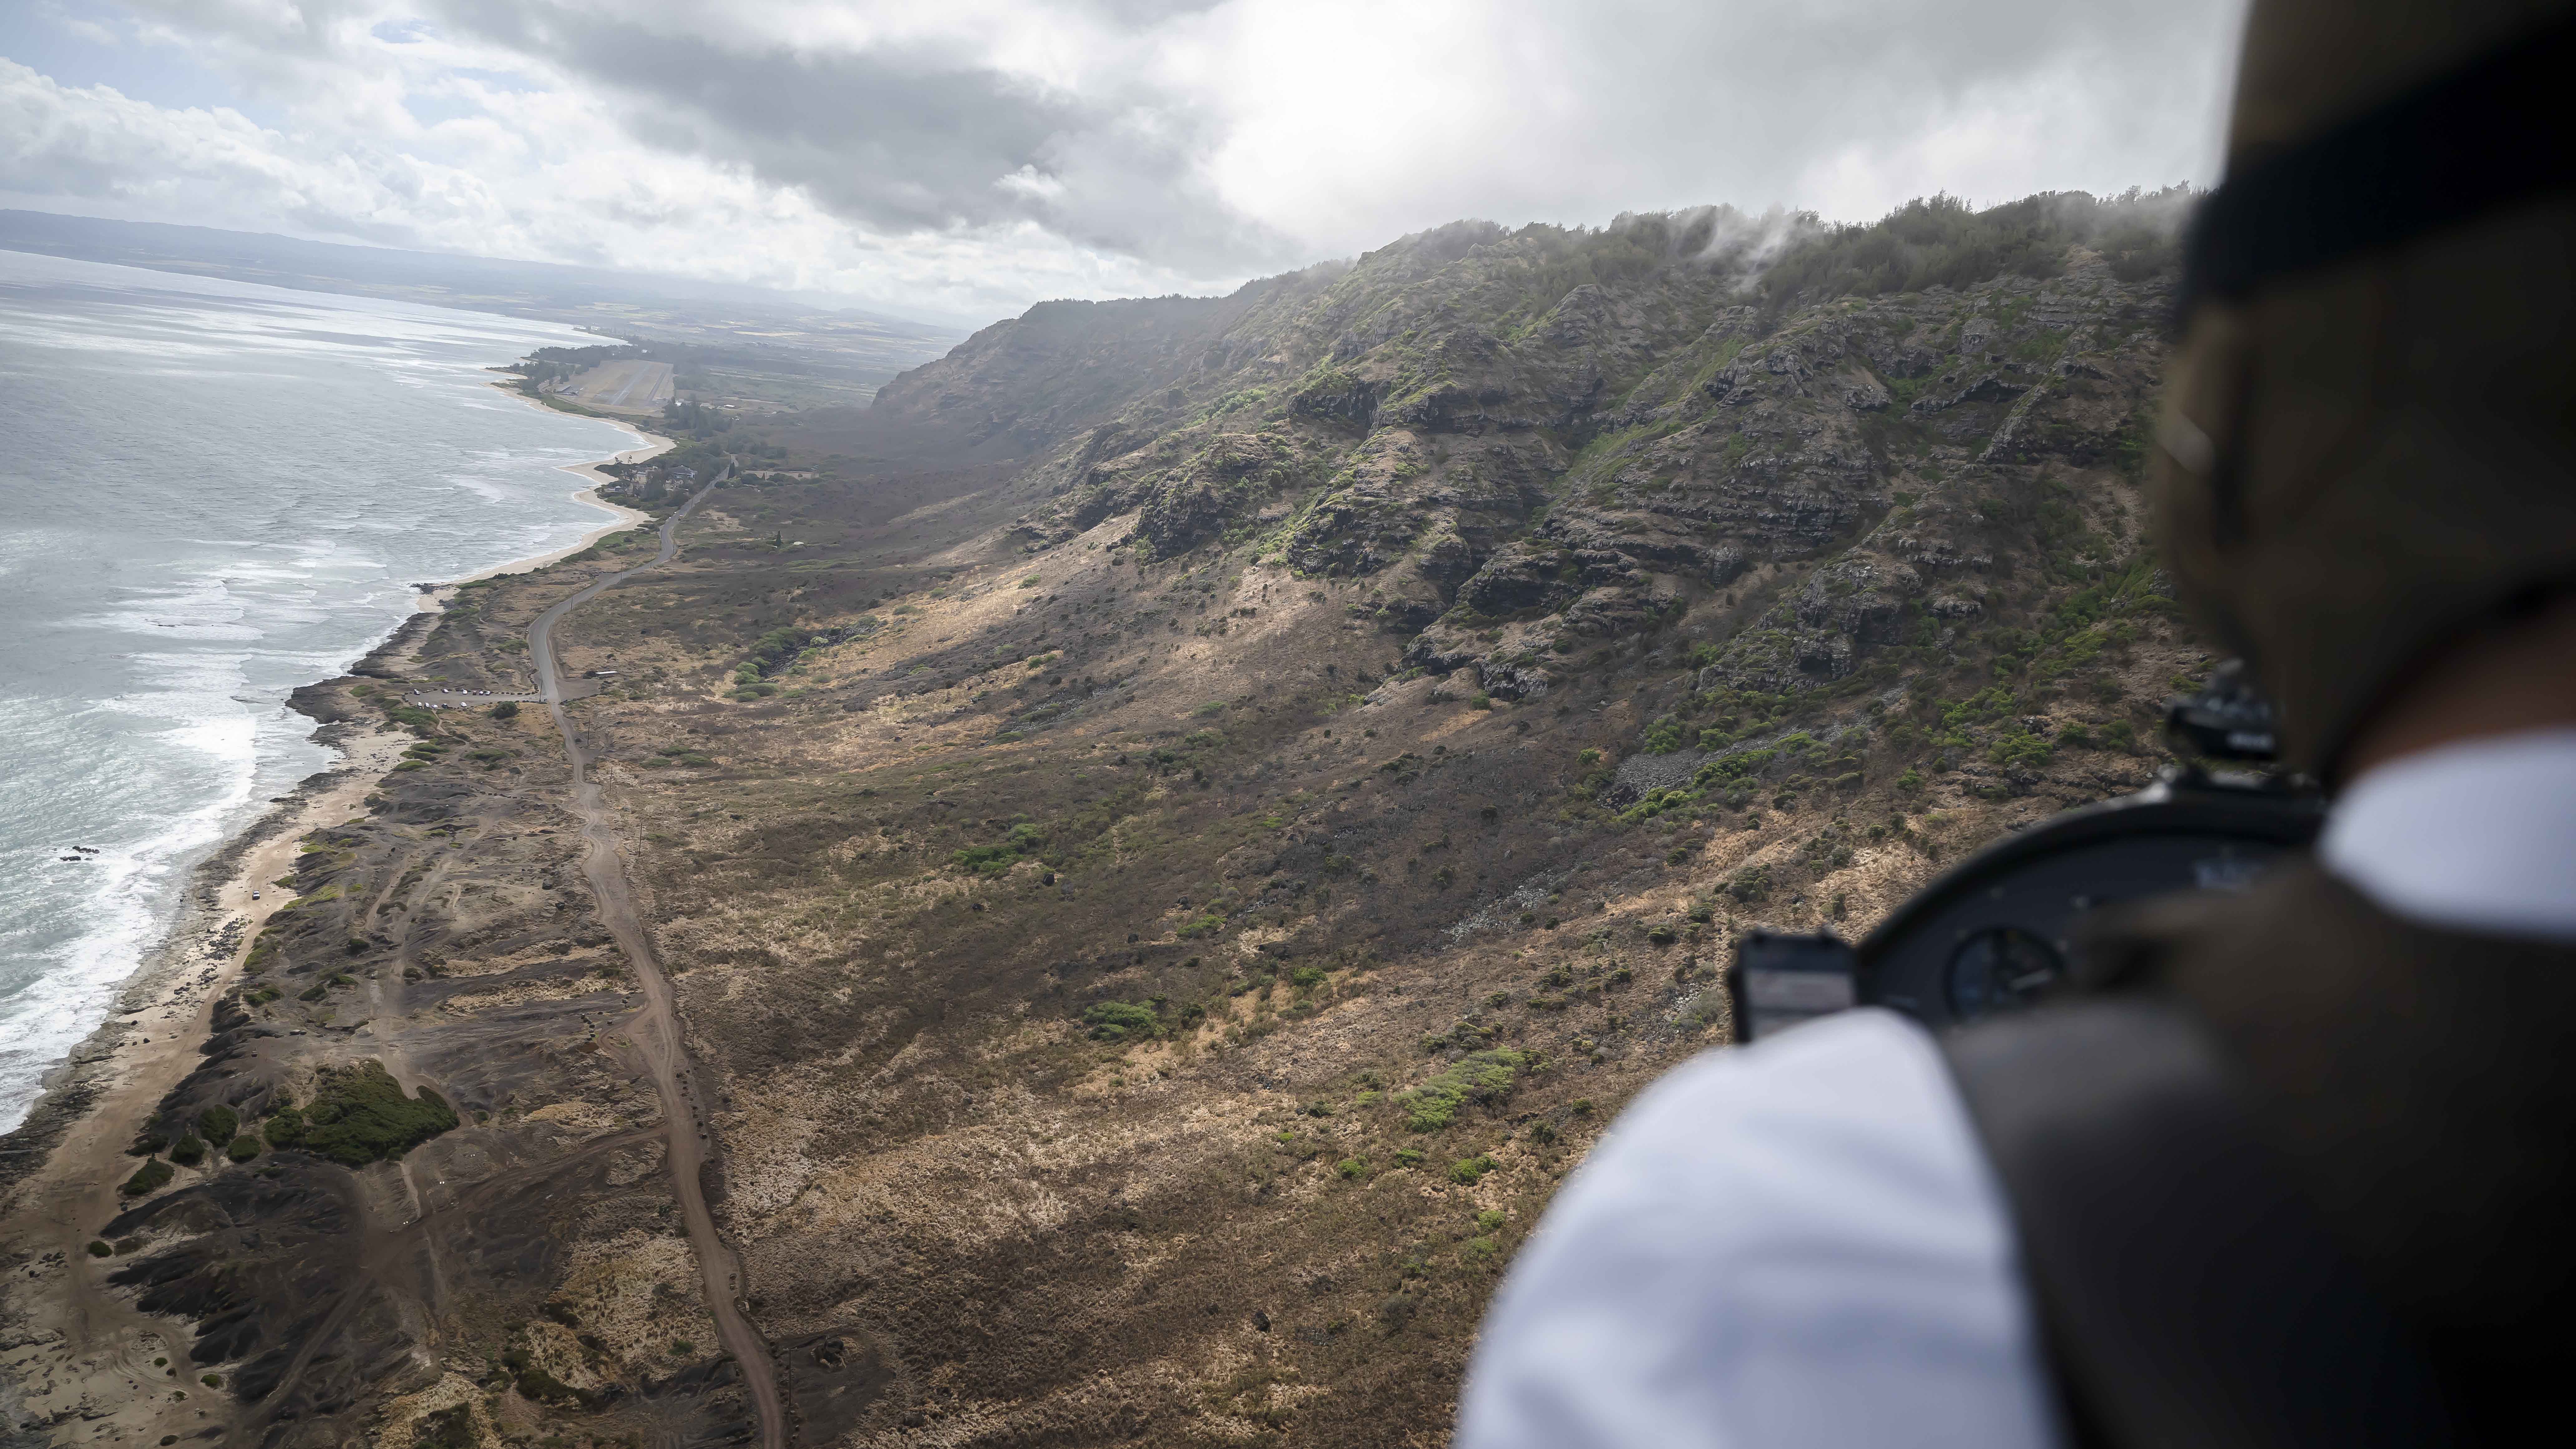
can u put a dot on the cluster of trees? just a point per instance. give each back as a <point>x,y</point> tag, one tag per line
<point>553,364</point>
<point>1940,241</point>
<point>691,416</point>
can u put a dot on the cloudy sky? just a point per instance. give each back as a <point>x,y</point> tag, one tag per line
<point>970,156</point>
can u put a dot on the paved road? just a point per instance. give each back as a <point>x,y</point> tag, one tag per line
<point>655,1030</point>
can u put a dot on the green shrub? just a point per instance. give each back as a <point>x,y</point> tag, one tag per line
<point>243,1148</point>
<point>985,860</point>
<point>1306,976</point>
<point>996,860</point>
<point>1350,1167</point>
<point>446,1429</point>
<point>359,1115</point>
<point>1396,1310</point>
<point>218,1124</point>
<point>147,1178</point>
<point>1121,1021</point>
<point>1484,1076</point>
<point>314,992</point>
<point>2018,748</point>
<point>99,1248</point>
<point>536,1383</point>
<point>1468,1171</point>
<point>188,1151</point>
<point>1408,1157</point>
<point>507,709</point>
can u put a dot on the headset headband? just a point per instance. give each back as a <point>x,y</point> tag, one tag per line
<point>2474,141</point>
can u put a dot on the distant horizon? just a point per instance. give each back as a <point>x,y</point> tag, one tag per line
<point>712,287</point>
<point>955,162</point>
<point>958,324</point>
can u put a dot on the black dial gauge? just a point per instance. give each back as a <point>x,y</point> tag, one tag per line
<point>1991,935</point>
<point>2002,968</point>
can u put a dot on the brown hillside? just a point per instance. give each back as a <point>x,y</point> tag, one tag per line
<point>1155,919</point>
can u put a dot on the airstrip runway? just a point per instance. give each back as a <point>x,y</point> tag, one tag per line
<point>626,385</point>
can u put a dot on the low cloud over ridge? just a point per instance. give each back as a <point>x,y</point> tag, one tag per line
<point>973,155</point>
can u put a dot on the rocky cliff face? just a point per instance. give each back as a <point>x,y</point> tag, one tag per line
<point>1532,443</point>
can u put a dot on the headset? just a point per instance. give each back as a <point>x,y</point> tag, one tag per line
<point>1997,932</point>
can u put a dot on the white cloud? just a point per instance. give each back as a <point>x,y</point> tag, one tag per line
<point>977,154</point>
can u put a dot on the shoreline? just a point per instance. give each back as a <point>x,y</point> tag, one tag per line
<point>144,1036</point>
<point>650,445</point>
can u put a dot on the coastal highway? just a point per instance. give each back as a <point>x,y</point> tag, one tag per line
<point>655,1030</point>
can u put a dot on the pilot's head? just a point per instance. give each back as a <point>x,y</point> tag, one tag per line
<point>2369,445</point>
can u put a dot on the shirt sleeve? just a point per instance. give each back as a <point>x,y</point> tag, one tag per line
<point>1799,1243</point>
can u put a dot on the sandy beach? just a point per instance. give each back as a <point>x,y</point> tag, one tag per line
<point>76,1350</point>
<point>80,1349</point>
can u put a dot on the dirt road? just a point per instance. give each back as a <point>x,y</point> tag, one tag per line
<point>655,1030</point>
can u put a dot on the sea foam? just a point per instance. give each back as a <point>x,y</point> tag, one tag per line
<point>215,492</point>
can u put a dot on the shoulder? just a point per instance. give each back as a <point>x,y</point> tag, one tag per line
<point>1795,1243</point>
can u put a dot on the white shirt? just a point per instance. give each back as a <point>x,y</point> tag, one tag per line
<point>2478,836</point>
<point>1801,1243</point>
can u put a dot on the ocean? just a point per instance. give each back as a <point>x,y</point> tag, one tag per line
<point>211,493</point>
